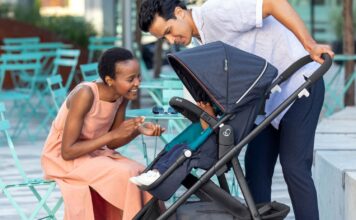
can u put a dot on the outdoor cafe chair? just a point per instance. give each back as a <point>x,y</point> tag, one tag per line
<point>99,44</point>
<point>22,96</point>
<point>34,185</point>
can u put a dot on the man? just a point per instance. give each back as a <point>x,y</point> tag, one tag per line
<point>270,29</point>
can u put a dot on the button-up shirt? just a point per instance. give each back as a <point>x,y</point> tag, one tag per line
<point>239,23</point>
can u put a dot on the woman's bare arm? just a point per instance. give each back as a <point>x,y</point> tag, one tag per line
<point>79,104</point>
<point>120,121</point>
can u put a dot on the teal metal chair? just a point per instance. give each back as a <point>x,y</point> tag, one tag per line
<point>47,49</point>
<point>57,90</point>
<point>99,44</point>
<point>89,72</point>
<point>58,95</point>
<point>23,65</point>
<point>335,94</point>
<point>27,183</point>
<point>66,58</point>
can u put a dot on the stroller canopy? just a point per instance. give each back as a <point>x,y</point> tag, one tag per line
<point>222,74</point>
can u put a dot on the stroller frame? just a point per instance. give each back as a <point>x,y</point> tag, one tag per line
<point>203,187</point>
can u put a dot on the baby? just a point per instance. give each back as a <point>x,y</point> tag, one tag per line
<point>170,157</point>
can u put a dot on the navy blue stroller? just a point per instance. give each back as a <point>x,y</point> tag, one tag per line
<point>237,84</point>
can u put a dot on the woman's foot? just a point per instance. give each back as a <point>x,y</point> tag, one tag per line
<point>145,179</point>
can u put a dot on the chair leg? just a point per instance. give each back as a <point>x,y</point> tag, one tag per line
<point>14,204</point>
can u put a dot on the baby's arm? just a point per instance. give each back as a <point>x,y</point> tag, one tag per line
<point>208,109</point>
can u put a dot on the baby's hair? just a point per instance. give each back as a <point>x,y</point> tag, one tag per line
<point>110,58</point>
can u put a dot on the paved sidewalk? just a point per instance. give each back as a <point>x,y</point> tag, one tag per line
<point>29,154</point>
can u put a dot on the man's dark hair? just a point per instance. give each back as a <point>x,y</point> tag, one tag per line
<point>110,58</point>
<point>164,8</point>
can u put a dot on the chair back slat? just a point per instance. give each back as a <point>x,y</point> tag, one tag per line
<point>68,52</point>
<point>21,40</point>
<point>4,125</point>
<point>66,58</point>
<point>2,107</point>
<point>57,90</point>
<point>89,71</point>
<point>18,65</point>
<point>34,47</point>
<point>20,57</point>
<point>105,40</point>
<point>65,62</point>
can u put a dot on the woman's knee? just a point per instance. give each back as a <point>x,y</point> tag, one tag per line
<point>129,167</point>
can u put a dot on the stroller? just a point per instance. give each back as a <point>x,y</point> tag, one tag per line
<point>237,84</point>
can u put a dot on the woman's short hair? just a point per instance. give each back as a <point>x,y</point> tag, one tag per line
<point>110,58</point>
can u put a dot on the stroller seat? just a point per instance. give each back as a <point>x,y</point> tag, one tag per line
<point>193,148</point>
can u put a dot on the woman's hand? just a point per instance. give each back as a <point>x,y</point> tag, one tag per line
<point>128,128</point>
<point>318,49</point>
<point>151,129</point>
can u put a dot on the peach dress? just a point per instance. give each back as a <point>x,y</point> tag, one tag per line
<point>104,170</point>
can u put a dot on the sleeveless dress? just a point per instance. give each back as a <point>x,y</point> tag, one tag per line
<point>104,170</point>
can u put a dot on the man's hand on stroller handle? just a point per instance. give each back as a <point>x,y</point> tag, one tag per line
<point>318,49</point>
<point>150,129</point>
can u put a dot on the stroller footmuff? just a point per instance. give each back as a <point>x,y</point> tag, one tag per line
<point>213,211</point>
<point>203,158</point>
<point>237,84</point>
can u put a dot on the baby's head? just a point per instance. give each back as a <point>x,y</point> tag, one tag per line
<point>120,70</point>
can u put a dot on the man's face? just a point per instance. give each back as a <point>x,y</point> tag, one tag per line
<point>175,31</point>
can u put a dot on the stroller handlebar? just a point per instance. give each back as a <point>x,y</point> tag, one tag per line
<point>323,68</point>
<point>299,64</point>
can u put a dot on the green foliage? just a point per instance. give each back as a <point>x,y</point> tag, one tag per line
<point>75,29</point>
<point>28,14</point>
<point>5,9</point>
<point>72,28</point>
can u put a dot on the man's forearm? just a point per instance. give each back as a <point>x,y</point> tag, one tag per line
<point>284,13</point>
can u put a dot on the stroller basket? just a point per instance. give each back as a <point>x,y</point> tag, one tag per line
<point>237,83</point>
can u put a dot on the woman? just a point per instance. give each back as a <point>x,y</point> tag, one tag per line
<point>79,151</point>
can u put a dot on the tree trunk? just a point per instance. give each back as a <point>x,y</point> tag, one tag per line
<point>348,48</point>
<point>157,59</point>
<point>138,35</point>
